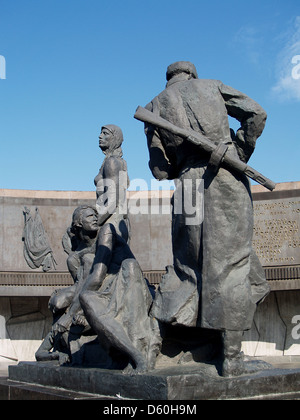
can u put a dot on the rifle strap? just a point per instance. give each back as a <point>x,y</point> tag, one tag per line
<point>217,156</point>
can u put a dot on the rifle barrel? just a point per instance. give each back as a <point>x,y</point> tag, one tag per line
<point>230,162</point>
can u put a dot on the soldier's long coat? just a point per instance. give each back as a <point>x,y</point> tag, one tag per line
<point>216,280</point>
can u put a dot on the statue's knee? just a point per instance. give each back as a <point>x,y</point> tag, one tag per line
<point>131,270</point>
<point>130,264</point>
<point>56,302</point>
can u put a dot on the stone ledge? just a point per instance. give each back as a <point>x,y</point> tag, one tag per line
<point>189,382</point>
<point>30,278</point>
<point>12,391</point>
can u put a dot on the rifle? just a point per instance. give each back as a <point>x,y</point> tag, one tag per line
<point>218,153</point>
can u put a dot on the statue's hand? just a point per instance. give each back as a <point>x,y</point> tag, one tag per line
<point>63,358</point>
<point>80,319</point>
<point>63,324</point>
<point>240,136</point>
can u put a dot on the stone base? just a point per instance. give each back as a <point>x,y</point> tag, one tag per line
<point>12,391</point>
<point>190,382</point>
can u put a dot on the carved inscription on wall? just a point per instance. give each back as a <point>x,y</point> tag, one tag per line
<point>276,237</point>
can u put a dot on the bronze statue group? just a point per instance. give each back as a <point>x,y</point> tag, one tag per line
<point>111,317</point>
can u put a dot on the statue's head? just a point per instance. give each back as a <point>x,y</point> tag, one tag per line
<point>85,219</point>
<point>182,67</point>
<point>111,138</point>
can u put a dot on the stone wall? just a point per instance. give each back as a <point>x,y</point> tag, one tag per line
<point>272,330</point>
<point>24,322</point>
<point>150,232</point>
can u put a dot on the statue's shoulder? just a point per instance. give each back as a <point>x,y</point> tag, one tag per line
<point>206,82</point>
<point>113,164</point>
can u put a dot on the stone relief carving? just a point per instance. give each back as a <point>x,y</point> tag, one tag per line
<point>37,250</point>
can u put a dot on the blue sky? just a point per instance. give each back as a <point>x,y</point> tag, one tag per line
<point>75,65</point>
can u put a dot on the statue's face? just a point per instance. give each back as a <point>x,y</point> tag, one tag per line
<point>89,220</point>
<point>105,139</point>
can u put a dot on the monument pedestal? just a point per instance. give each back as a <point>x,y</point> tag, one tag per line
<point>190,382</point>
